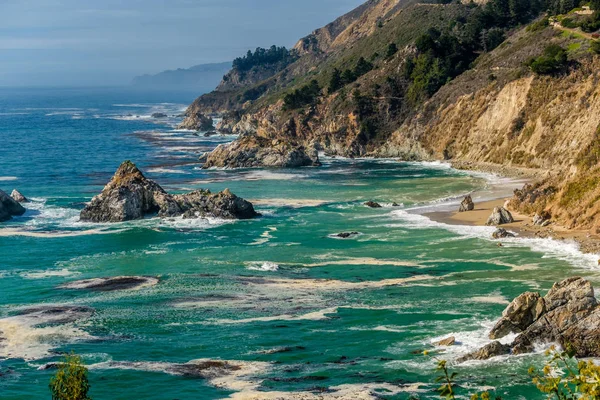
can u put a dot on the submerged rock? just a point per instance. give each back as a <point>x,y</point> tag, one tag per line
<point>130,196</point>
<point>372,204</point>
<point>467,204</point>
<point>251,151</point>
<point>57,314</point>
<point>210,133</point>
<point>569,314</point>
<point>111,284</point>
<point>159,115</point>
<point>346,235</point>
<point>500,216</point>
<point>9,207</point>
<point>502,233</point>
<point>18,197</point>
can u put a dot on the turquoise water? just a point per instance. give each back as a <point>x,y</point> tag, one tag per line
<point>302,313</point>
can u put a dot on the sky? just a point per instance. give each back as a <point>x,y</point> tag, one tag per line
<point>108,42</point>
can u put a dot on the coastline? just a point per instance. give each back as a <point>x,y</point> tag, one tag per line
<point>523,226</point>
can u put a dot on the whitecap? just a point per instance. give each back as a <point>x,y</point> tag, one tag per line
<point>51,273</point>
<point>167,171</point>
<point>8,178</point>
<point>263,266</point>
<point>563,250</point>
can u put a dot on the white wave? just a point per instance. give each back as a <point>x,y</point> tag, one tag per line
<point>167,171</point>
<point>264,175</point>
<point>8,178</point>
<point>263,266</point>
<point>51,273</point>
<point>265,237</point>
<point>563,250</point>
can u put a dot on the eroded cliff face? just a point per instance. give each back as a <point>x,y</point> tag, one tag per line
<point>498,112</point>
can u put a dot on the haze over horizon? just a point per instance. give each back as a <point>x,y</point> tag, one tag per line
<point>85,43</point>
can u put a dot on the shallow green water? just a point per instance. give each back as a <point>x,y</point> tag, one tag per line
<point>304,311</point>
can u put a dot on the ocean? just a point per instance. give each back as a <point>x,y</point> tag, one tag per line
<point>295,311</point>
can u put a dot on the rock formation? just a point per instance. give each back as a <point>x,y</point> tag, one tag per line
<point>501,233</point>
<point>130,195</point>
<point>197,122</point>
<point>467,204</point>
<point>159,115</point>
<point>9,207</point>
<point>18,197</point>
<point>569,314</point>
<point>542,219</point>
<point>255,151</point>
<point>372,204</point>
<point>500,216</point>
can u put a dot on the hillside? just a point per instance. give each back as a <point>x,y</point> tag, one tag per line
<point>200,78</point>
<point>460,82</point>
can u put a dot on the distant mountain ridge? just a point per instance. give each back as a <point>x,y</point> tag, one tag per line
<point>200,78</point>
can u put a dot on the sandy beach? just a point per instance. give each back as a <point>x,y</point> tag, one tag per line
<point>523,225</point>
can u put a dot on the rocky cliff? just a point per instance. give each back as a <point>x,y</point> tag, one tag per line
<point>495,110</point>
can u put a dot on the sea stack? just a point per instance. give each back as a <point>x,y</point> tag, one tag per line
<point>9,207</point>
<point>130,196</point>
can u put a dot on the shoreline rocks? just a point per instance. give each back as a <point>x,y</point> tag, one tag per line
<point>18,197</point>
<point>197,122</point>
<point>502,233</point>
<point>467,204</point>
<point>251,151</point>
<point>130,196</point>
<point>9,207</point>
<point>500,216</point>
<point>568,314</point>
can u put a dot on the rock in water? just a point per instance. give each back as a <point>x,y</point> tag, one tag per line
<point>500,216</point>
<point>467,204</point>
<point>18,197</point>
<point>251,151</point>
<point>159,115</point>
<point>501,233</point>
<point>569,314</point>
<point>130,195</point>
<point>450,341</point>
<point>9,207</point>
<point>493,349</point>
<point>372,204</point>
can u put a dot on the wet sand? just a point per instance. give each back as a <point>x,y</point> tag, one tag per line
<point>523,225</point>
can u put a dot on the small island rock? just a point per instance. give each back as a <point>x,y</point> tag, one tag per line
<point>372,204</point>
<point>130,195</point>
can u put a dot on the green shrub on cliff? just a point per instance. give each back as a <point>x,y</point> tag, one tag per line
<point>552,61</point>
<point>306,95</point>
<point>70,381</point>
